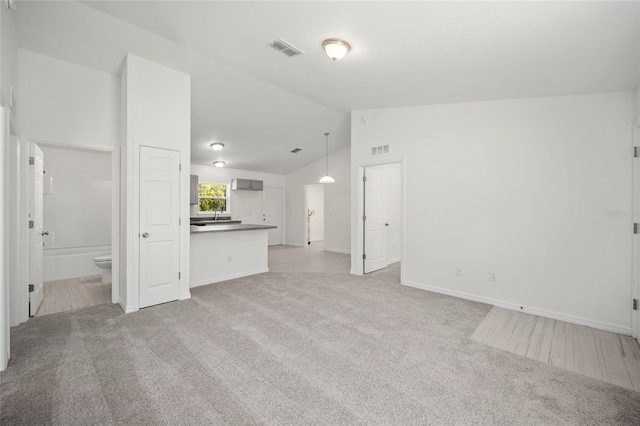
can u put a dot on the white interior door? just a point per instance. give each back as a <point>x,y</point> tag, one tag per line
<point>37,232</point>
<point>159,226</point>
<point>272,212</point>
<point>375,220</point>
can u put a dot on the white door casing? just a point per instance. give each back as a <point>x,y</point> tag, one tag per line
<point>635,282</point>
<point>4,284</point>
<point>272,212</point>
<point>375,221</point>
<point>159,226</point>
<point>37,242</point>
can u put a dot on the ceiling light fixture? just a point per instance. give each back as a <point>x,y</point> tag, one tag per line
<point>217,146</point>
<point>326,178</point>
<point>336,48</point>
<point>219,164</point>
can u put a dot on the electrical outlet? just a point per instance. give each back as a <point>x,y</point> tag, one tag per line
<point>493,276</point>
<point>459,271</point>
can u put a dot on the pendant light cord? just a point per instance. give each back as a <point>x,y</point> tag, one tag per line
<point>327,156</point>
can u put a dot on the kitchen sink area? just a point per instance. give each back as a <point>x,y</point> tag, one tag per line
<point>213,220</point>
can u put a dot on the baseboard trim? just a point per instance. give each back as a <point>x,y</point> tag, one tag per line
<point>228,277</point>
<point>574,319</point>
<point>186,296</point>
<point>335,250</point>
<point>125,308</point>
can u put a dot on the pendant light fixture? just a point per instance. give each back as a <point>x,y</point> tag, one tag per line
<point>326,178</point>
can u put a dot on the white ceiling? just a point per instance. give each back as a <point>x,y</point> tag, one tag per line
<point>261,103</point>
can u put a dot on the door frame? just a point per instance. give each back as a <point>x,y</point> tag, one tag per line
<point>114,150</point>
<point>357,209</point>
<point>635,280</point>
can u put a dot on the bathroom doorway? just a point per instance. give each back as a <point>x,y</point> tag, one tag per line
<point>80,226</point>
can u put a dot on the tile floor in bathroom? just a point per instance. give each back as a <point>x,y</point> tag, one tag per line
<point>74,293</point>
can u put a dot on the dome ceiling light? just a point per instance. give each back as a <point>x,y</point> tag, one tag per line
<point>219,164</point>
<point>217,146</point>
<point>335,48</point>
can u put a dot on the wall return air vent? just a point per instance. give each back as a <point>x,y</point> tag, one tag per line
<point>286,47</point>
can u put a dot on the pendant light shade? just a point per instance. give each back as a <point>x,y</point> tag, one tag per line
<point>326,178</point>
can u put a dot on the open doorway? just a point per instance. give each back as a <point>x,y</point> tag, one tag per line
<point>314,208</point>
<point>73,249</point>
<point>76,229</point>
<point>382,217</point>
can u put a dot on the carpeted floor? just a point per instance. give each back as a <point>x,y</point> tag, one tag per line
<point>291,348</point>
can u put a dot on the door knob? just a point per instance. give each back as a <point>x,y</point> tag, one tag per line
<point>45,233</point>
<point>145,235</point>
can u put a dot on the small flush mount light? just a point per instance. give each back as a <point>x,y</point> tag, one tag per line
<point>217,146</point>
<point>219,164</point>
<point>336,48</point>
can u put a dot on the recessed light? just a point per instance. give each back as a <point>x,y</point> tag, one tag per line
<point>219,164</point>
<point>217,146</point>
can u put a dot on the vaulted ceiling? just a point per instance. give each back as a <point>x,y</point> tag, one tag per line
<point>261,104</point>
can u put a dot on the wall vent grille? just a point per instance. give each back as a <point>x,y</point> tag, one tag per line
<point>286,47</point>
<point>382,149</point>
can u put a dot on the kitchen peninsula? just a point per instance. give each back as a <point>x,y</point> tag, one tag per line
<point>221,252</point>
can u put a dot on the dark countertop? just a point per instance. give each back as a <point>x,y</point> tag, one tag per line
<point>228,228</point>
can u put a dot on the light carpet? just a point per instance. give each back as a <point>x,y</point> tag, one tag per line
<point>291,348</point>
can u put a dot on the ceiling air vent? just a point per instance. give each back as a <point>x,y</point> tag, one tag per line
<point>286,47</point>
<point>296,150</point>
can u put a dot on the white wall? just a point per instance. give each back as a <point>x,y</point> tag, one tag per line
<point>68,101</point>
<point>392,175</point>
<point>156,107</point>
<point>523,188</point>
<point>10,269</point>
<point>77,211</point>
<point>315,204</point>
<point>9,57</point>
<point>245,205</point>
<point>336,198</point>
<point>637,101</point>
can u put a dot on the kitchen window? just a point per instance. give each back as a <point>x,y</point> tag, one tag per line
<point>213,197</point>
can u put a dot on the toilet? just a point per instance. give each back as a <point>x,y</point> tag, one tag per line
<point>104,262</point>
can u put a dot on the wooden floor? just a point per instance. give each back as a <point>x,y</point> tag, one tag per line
<point>74,293</point>
<point>603,355</point>
<point>311,258</point>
